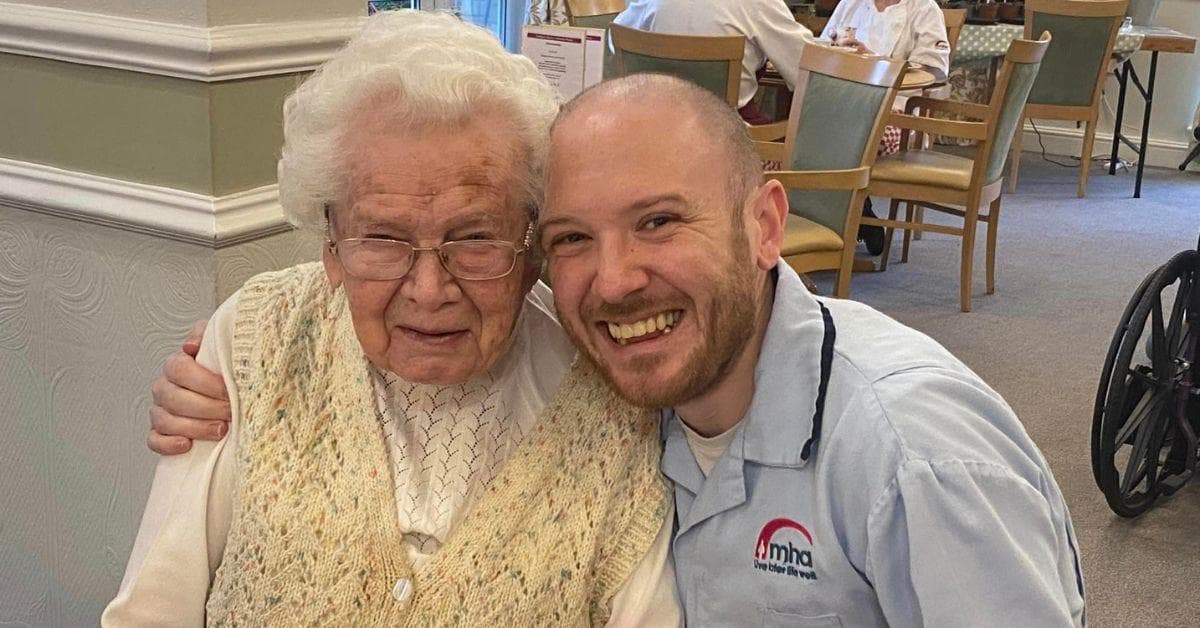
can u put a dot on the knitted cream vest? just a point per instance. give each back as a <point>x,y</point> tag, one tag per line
<point>314,537</point>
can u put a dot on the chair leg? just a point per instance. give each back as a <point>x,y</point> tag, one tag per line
<point>841,288</point>
<point>1085,158</point>
<point>968,256</point>
<point>910,216</point>
<point>1015,155</point>
<point>893,208</point>
<point>918,217</point>
<point>993,222</point>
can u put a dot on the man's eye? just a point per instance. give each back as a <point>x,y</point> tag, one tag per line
<point>567,244</point>
<point>654,222</point>
<point>568,238</point>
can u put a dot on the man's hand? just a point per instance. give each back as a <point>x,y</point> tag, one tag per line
<point>190,401</point>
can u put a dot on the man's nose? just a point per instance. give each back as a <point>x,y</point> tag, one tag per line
<point>620,272</point>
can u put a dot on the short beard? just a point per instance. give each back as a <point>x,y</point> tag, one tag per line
<point>733,316</point>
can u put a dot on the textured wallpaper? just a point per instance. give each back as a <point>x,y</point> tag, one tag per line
<point>236,264</point>
<point>87,315</point>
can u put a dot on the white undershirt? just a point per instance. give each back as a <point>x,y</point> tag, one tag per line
<point>707,450</point>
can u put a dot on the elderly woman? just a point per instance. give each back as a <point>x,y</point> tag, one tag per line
<point>397,453</point>
<point>904,29</point>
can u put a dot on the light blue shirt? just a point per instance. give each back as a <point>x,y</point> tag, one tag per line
<point>923,503</point>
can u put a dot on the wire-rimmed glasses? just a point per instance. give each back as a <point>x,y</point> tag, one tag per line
<point>383,259</point>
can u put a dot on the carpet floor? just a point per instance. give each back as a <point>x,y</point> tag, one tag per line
<point>1066,267</point>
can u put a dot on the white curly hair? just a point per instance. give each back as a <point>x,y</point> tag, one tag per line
<point>439,71</point>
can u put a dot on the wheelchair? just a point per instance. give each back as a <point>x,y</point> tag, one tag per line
<point>1147,412</point>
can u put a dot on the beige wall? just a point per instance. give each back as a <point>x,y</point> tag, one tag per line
<point>89,311</point>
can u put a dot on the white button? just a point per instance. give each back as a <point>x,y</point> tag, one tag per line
<point>403,590</point>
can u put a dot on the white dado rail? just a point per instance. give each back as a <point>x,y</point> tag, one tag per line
<point>218,53</point>
<point>165,212</point>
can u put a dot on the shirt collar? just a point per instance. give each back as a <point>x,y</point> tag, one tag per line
<point>779,419</point>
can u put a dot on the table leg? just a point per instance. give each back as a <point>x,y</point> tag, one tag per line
<point>1149,93</point>
<point>1123,80</point>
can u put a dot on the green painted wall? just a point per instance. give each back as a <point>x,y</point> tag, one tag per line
<point>247,130</point>
<point>209,138</point>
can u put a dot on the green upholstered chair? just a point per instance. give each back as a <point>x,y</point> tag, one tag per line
<point>712,62</point>
<point>596,14</point>
<point>833,130</point>
<point>1071,80</point>
<point>944,182</point>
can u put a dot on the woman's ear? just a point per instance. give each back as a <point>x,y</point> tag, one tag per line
<point>333,266</point>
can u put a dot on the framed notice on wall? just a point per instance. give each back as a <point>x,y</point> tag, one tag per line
<point>572,59</point>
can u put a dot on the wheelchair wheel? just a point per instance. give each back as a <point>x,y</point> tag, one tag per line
<point>1143,438</point>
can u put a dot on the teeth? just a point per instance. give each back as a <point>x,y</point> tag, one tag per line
<point>623,332</point>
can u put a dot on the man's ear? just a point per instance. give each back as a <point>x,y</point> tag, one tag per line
<point>333,266</point>
<point>769,212</point>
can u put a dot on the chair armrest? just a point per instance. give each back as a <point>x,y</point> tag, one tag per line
<point>850,179</point>
<point>767,132</point>
<point>937,126</point>
<point>969,109</point>
<point>771,151</point>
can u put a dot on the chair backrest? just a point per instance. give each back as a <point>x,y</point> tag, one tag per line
<point>712,62</point>
<point>593,13</point>
<point>955,18</point>
<point>838,110</point>
<point>1084,31</point>
<point>1016,78</point>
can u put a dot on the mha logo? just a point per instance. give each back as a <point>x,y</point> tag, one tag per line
<point>779,550</point>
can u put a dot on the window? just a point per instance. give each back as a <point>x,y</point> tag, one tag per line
<point>502,17</point>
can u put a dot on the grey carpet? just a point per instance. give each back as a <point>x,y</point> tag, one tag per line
<point>1066,267</point>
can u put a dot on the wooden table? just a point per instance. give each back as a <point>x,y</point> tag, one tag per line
<point>1155,39</point>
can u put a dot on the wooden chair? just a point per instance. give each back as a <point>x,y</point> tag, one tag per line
<point>955,18</point>
<point>593,13</point>
<point>1070,83</point>
<point>838,111</point>
<point>596,14</point>
<point>934,180</point>
<point>712,62</point>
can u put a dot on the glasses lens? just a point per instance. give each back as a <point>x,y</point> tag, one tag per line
<point>376,259</point>
<point>478,260</point>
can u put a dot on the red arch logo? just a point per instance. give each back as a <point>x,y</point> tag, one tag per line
<point>769,530</point>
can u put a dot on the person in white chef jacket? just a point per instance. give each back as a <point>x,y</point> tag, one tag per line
<point>904,29</point>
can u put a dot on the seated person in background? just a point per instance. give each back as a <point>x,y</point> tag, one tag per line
<point>904,29</point>
<point>772,34</point>
<point>381,459</point>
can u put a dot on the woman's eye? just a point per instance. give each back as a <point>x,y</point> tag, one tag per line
<point>477,236</point>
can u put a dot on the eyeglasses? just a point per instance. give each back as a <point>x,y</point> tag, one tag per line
<point>382,259</point>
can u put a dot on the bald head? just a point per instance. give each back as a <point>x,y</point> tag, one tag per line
<point>704,120</point>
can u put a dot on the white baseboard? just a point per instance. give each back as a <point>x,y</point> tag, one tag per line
<point>164,212</point>
<point>219,53</point>
<point>1069,141</point>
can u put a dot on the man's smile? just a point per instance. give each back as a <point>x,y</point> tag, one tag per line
<point>643,328</point>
